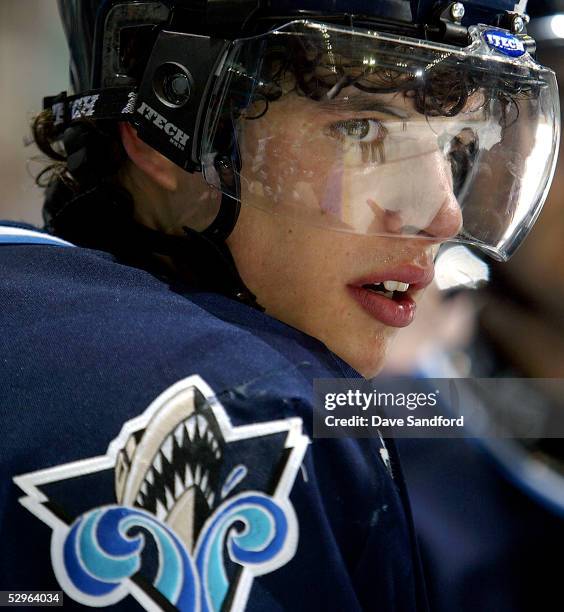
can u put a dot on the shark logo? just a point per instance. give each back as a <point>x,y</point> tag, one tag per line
<point>173,514</point>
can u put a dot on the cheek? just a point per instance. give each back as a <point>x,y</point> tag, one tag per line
<point>265,255</point>
<point>286,166</point>
<point>295,271</point>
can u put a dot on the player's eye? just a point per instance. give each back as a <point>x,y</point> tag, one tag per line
<point>359,130</point>
<point>367,135</point>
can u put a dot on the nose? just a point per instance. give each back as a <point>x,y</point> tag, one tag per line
<point>447,223</point>
<point>414,197</point>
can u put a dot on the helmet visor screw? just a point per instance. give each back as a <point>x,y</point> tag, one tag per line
<point>172,84</point>
<point>457,11</point>
<point>177,88</point>
<point>518,24</point>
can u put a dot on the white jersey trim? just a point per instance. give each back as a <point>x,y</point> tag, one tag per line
<point>18,235</point>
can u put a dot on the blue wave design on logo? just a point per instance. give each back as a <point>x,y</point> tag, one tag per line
<point>99,555</point>
<point>258,543</point>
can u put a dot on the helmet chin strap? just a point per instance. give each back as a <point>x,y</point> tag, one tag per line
<point>213,239</point>
<point>217,260</point>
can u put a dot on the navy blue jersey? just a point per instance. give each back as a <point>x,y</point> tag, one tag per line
<point>157,451</point>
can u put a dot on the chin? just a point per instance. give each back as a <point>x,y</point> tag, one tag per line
<point>366,357</point>
<point>370,368</point>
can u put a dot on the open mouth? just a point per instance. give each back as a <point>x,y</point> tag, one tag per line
<point>389,289</point>
<point>185,460</point>
<point>389,297</point>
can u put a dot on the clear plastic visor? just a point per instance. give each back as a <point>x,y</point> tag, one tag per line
<point>376,135</point>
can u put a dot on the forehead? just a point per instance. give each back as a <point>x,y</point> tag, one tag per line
<point>353,102</point>
<point>350,100</point>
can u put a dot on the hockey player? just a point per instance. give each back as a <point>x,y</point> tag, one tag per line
<point>245,197</point>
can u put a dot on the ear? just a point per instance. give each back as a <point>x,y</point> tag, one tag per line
<point>156,166</point>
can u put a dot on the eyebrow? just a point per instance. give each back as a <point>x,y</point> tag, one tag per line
<point>362,103</point>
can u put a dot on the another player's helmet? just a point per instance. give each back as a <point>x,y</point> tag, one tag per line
<point>407,105</point>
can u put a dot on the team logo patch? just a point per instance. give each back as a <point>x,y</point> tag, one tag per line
<point>504,43</point>
<point>173,515</point>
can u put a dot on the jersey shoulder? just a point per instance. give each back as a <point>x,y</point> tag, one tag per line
<point>129,405</point>
<point>108,307</point>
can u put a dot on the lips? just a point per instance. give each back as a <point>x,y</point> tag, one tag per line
<point>398,311</point>
<point>415,276</point>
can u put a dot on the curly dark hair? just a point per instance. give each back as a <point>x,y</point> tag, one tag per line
<point>439,83</point>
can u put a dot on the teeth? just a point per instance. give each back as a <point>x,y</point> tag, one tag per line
<point>158,463</point>
<point>210,499</point>
<point>204,482</point>
<point>161,510</point>
<point>389,294</point>
<point>191,428</point>
<point>178,433</point>
<point>178,487</point>
<point>202,426</point>
<point>144,487</point>
<point>169,498</point>
<point>167,449</point>
<point>390,285</point>
<point>188,479</point>
<point>197,475</point>
<point>150,477</point>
